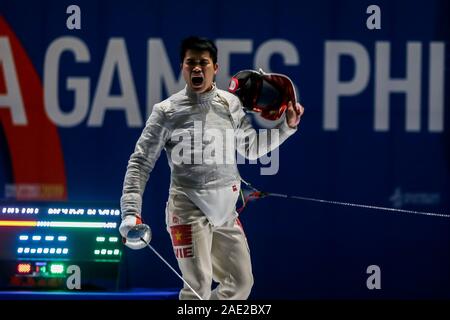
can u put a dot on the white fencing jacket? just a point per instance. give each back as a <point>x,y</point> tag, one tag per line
<point>195,129</point>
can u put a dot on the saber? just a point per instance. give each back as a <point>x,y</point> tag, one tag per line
<point>171,268</point>
<point>256,194</point>
<point>141,233</point>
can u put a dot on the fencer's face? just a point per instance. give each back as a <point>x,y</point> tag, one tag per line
<point>199,70</point>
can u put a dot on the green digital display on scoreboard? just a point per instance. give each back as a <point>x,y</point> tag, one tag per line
<point>42,244</point>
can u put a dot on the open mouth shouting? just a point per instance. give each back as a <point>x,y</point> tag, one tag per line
<point>197,80</point>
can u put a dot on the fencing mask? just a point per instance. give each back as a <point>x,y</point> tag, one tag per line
<point>266,93</point>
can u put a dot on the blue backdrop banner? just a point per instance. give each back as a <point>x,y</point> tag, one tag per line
<point>78,80</point>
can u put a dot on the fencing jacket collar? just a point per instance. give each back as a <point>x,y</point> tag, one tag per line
<point>201,97</point>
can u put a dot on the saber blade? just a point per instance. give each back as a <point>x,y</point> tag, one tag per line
<point>171,268</point>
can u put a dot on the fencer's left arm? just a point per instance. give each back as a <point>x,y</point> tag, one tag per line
<point>252,144</point>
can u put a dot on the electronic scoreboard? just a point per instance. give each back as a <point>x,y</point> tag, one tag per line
<point>48,245</point>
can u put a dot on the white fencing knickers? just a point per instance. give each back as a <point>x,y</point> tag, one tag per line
<point>205,252</point>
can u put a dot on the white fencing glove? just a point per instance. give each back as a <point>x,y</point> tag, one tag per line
<point>126,225</point>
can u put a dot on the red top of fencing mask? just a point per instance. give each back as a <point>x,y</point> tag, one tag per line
<point>266,93</point>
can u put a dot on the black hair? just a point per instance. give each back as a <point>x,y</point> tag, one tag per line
<point>198,44</point>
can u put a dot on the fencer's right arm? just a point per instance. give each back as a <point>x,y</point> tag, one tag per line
<point>147,151</point>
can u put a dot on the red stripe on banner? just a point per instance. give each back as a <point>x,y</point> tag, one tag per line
<point>181,235</point>
<point>35,148</point>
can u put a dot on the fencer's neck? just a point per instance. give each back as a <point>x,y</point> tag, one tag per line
<point>202,97</point>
